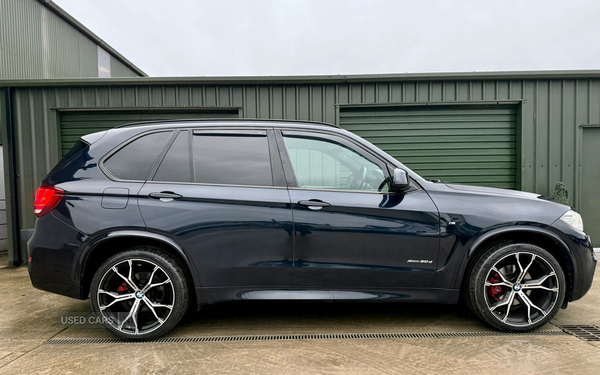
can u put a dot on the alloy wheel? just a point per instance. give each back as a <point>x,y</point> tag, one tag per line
<point>136,296</point>
<point>521,289</point>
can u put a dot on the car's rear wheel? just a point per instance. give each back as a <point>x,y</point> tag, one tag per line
<point>139,294</point>
<point>516,287</point>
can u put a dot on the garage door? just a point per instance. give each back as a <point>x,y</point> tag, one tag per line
<point>75,124</point>
<point>460,144</point>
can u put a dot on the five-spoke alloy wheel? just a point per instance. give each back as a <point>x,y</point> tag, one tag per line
<point>139,294</point>
<point>516,287</point>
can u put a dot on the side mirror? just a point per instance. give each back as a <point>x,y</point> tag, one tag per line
<point>400,180</point>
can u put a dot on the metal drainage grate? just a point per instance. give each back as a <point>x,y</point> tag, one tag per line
<point>584,332</point>
<point>316,336</point>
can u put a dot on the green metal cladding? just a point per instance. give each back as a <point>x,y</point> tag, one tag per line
<point>469,144</point>
<point>76,124</point>
<point>40,40</point>
<point>534,124</point>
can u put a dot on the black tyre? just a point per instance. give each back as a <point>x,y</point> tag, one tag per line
<point>516,287</point>
<point>139,294</point>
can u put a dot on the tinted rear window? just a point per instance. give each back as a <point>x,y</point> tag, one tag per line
<point>235,159</point>
<point>133,162</point>
<point>176,166</point>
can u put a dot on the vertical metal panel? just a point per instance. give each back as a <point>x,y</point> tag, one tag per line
<point>35,42</point>
<point>551,113</point>
<point>567,136</point>
<point>528,135</point>
<point>118,69</point>
<point>20,53</point>
<point>5,180</point>
<point>589,185</point>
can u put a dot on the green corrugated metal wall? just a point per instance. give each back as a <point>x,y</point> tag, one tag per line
<point>463,144</point>
<point>35,42</point>
<point>75,124</point>
<point>118,69</point>
<point>548,133</point>
<point>590,179</point>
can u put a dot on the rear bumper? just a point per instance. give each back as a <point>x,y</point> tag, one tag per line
<point>52,250</point>
<point>26,235</point>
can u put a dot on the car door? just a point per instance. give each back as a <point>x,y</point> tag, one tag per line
<point>350,229</point>
<point>221,194</point>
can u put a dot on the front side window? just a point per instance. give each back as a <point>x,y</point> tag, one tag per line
<point>324,164</point>
<point>232,159</point>
<point>134,160</point>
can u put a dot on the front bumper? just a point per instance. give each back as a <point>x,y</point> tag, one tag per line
<point>584,275</point>
<point>582,256</point>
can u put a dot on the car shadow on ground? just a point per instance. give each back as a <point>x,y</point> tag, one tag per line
<point>269,317</point>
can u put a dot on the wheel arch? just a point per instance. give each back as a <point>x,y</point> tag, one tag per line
<point>97,251</point>
<point>531,235</point>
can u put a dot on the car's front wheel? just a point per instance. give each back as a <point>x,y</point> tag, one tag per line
<point>516,287</point>
<point>139,294</point>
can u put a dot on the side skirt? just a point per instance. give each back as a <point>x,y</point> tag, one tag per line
<point>210,295</point>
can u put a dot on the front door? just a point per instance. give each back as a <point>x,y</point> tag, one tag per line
<point>350,229</point>
<point>217,193</point>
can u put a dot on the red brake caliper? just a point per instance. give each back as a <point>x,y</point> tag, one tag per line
<point>123,287</point>
<point>495,291</point>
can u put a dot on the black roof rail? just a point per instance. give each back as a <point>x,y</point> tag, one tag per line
<point>140,123</point>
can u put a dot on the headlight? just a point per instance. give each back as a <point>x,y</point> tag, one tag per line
<point>573,219</point>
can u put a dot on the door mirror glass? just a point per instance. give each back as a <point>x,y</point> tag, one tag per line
<point>400,181</point>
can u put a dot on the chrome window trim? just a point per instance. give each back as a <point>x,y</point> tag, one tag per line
<point>208,184</point>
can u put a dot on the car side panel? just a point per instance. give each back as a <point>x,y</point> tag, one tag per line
<point>234,235</point>
<point>466,216</point>
<point>365,240</point>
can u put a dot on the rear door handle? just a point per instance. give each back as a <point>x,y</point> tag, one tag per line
<point>314,204</point>
<point>165,196</point>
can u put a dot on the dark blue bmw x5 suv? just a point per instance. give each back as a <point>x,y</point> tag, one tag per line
<point>150,219</point>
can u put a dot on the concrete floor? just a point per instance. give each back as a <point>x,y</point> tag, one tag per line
<point>29,317</point>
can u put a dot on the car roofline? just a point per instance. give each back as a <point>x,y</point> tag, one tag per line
<point>229,120</point>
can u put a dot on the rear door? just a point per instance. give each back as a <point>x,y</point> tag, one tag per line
<point>221,194</point>
<point>350,229</point>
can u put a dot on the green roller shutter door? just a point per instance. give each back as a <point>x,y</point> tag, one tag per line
<point>75,124</point>
<point>473,145</point>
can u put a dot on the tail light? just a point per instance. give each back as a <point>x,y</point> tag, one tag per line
<point>46,198</point>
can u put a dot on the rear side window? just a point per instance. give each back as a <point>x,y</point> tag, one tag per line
<point>232,159</point>
<point>133,162</point>
<point>176,166</point>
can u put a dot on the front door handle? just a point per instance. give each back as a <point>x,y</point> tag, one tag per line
<point>314,204</point>
<point>165,196</point>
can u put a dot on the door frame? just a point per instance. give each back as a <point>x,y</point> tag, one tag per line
<point>370,155</point>
<point>579,161</point>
